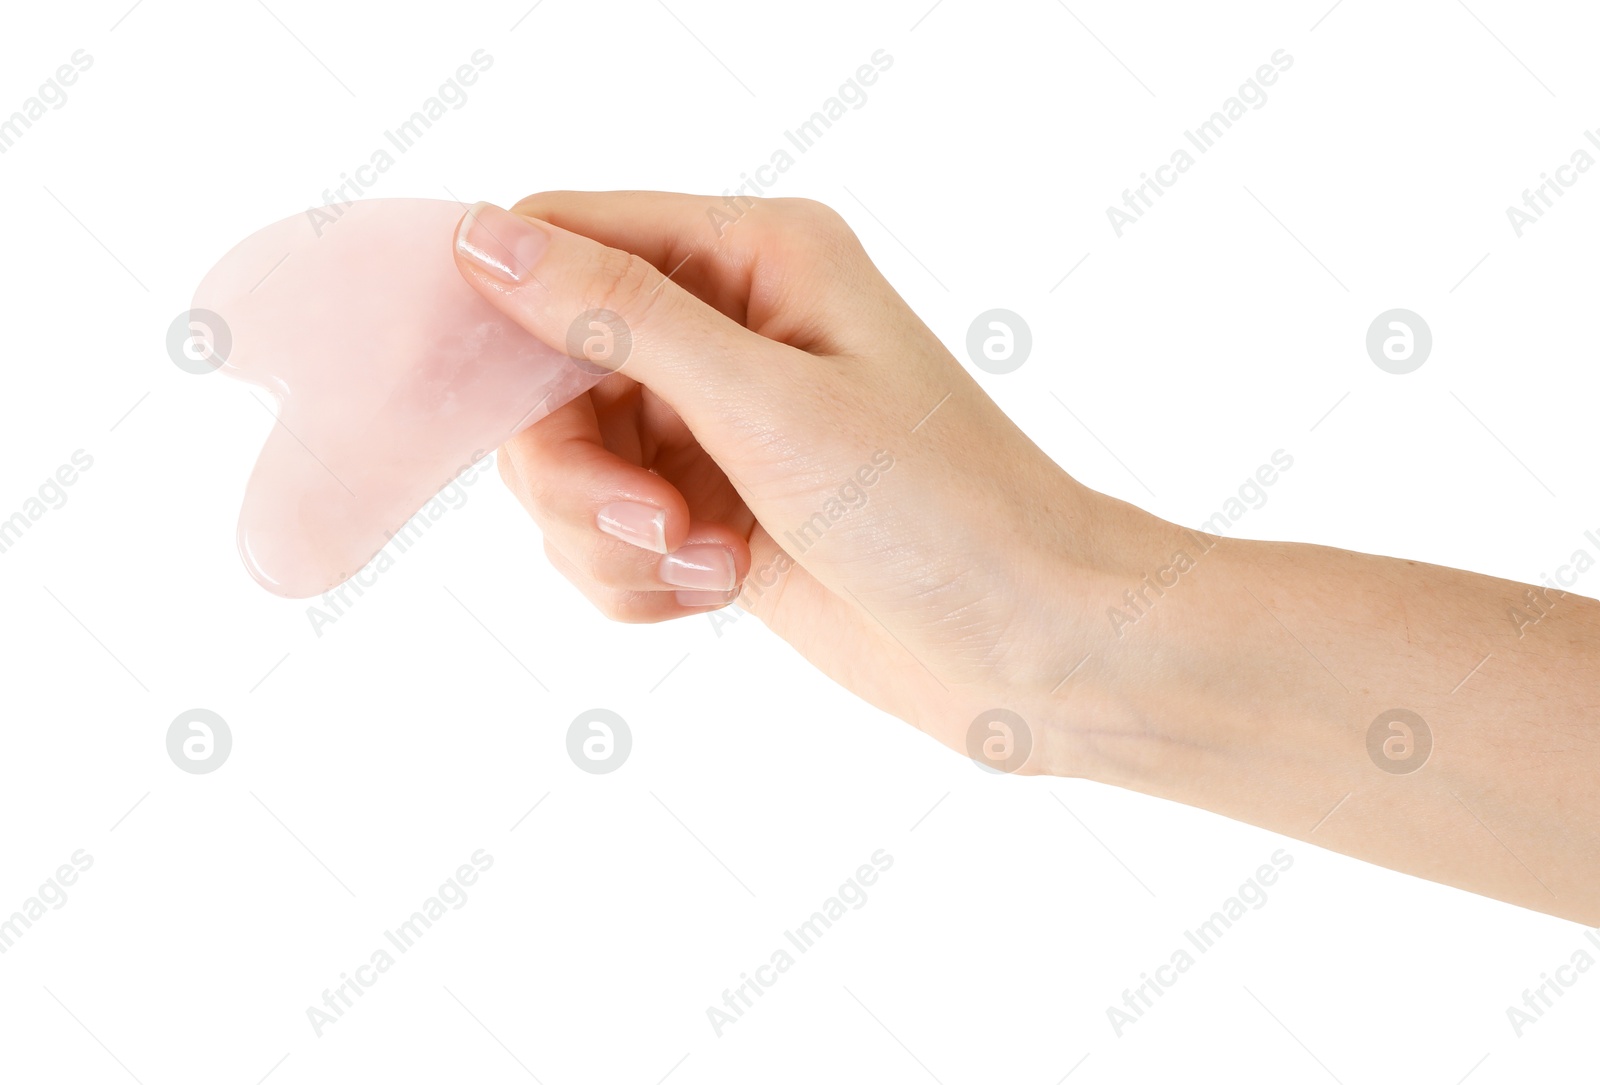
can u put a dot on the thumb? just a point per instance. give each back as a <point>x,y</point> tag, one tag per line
<point>612,310</point>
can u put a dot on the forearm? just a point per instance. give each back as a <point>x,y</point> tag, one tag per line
<point>1249,684</point>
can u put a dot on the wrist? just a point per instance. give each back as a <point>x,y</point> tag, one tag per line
<point>1193,682</point>
<point>1090,689</point>
<point>1142,677</point>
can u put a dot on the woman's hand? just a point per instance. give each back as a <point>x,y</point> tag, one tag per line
<point>784,424</point>
<point>783,430</point>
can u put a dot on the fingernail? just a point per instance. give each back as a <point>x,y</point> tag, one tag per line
<point>635,523</point>
<point>705,598</point>
<point>701,566</point>
<point>502,244</point>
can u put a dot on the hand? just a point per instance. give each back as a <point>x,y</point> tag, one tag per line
<point>785,424</point>
<point>786,432</point>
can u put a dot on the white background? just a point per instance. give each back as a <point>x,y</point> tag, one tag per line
<point>369,762</point>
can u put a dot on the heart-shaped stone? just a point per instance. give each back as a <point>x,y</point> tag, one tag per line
<point>392,376</point>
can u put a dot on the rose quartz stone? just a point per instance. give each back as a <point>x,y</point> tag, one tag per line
<point>391,376</point>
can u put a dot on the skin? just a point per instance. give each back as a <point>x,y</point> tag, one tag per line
<point>975,574</point>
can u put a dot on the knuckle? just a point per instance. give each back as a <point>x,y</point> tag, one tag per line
<point>605,581</point>
<point>812,217</point>
<point>541,493</point>
<point>620,606</point>
<point>821,217</point>
<point>809,231</point>
<point>532,491</point>
<point>617,565</point>
<point>609,602</point>
<point>626,284</point>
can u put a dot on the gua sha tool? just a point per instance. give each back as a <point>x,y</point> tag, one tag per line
<point>391,376</point>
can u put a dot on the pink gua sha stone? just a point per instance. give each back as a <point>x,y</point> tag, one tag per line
<point>392,376</point>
